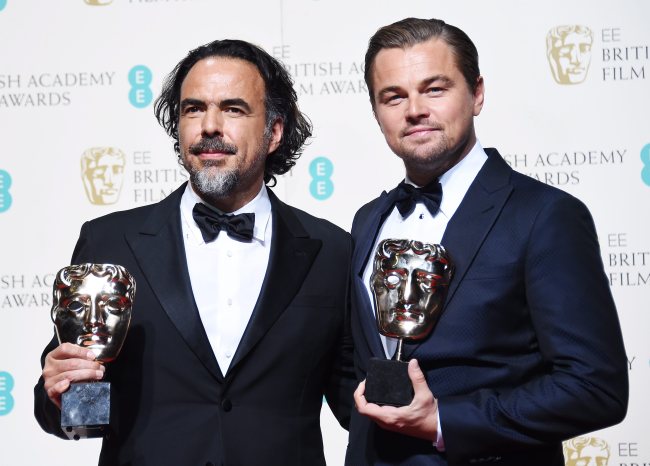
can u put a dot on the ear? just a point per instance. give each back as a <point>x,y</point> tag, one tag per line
<point>479,95</point>
<point>276,135</point>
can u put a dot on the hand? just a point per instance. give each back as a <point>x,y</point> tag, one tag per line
<point>69,363</point>
<point>419,419</point>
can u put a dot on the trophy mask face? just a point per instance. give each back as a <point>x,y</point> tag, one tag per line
<point>409,285</point>
<point>92,307</point>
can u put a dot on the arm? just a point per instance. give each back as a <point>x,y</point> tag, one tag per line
<point>580,383</point>
<point>343,380</point>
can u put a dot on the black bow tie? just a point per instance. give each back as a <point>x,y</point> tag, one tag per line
<point>239,227</point>
<point>408,195</point>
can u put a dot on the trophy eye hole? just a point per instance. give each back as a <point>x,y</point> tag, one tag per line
<point>75,306</point>
<point>426,280</point>
<point>115,304</point>
<point>392,280</point>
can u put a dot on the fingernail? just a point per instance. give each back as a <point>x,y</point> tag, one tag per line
<point>99,374</point>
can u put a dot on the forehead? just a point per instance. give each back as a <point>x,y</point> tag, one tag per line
<point>92,285</point>
<point>417,62</point>
<point>223,78</point>
<point>411,261</point>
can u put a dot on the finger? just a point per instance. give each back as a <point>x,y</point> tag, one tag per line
<point>55,392</point>
<point>417,377</point>
<point>53,377</point>
<point>68,350</point>
<point>359,398</point>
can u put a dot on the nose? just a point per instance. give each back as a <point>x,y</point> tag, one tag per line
<point>94,316</point>
<point>409,290</point>
<point>108,176</point>
<point>212,123</point>
<point>575,55</point>
<point>417,108</point>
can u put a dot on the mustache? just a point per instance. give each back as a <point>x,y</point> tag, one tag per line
<point>212,145</point>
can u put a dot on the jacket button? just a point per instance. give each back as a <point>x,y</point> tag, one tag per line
<point>226,405</point>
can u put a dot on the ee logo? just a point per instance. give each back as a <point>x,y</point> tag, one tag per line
<point>3,4</point>
<point>321,186</point>
<point>5,196</point>
<point>645,158</point>
<point>140,94</point>
<point>6,386</point>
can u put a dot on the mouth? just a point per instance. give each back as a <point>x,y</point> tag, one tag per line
<point>420,131</point>
<point>408,314</point>
<point>90,340</point>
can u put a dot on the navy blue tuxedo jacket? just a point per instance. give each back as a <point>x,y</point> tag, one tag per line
<point>174,405</point>
<point>528,351</point>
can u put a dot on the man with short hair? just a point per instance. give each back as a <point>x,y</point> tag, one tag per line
<point>528,350</point>
<point>239,326</point>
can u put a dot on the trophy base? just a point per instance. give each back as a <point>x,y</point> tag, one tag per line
<point>85,410</point>
<point>388,383</point>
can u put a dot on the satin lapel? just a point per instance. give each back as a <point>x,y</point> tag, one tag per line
<point>292,254</point>
<point>472,222</point>
<point>160,252</point>
<point>364,235</point>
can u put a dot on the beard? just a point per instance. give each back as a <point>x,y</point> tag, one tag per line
<point>214,179</point>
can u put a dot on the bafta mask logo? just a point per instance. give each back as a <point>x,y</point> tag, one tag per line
<point>98,2</point>
<point>568,49</point>
<point>102,172</point>
<point>586,451</point>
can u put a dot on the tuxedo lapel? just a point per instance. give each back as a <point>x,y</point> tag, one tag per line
<point>364,235</point>
<point>160,252</point>
<point>292,254</point>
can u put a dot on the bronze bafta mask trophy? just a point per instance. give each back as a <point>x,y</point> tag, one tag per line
<point>409,284</point>
<point>91,308</point>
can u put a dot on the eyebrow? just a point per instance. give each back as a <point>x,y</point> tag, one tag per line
<point>425,82</point>
<point>236,102</point>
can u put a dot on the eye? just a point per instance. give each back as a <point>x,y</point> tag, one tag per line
<point>434,90</point>
<point>392,280</point>
<point>75,306</point>
<point>115,304</point>
<point>235,111</point>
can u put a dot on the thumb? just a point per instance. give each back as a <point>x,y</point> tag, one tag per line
<point>417,377</point>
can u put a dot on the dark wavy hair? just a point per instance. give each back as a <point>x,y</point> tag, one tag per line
<point>281,100</point>
<point>410,31</point>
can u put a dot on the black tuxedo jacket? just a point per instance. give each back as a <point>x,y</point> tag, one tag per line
<point>175,407</point>
<point>528,350</point>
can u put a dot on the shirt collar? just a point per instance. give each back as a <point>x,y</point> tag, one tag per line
<point>456,181</point>
<point>260,206</point>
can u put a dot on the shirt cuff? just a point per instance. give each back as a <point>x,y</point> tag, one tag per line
<point>439,444</point>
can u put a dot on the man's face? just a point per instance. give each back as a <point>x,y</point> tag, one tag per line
<point>222,130</point>
<point>104,175</point>
<point>424,106</point>
<point>93,313</point>
<point>409,294</point>
<point>570,57</point>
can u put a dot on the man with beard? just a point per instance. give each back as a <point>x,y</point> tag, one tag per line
<point>239,326</point>
<point>528,350</point>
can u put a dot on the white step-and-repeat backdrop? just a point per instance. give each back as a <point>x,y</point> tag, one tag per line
<point>568,92</point>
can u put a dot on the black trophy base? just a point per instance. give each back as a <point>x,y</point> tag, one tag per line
<point>85,410</point>
<point>388,383</point>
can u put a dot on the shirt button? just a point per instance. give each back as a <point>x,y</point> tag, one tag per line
<point>228,354</point>
<point>229,302</point>
<point>229,253</point>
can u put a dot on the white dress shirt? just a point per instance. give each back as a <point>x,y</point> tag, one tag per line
<point>226,274</point>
